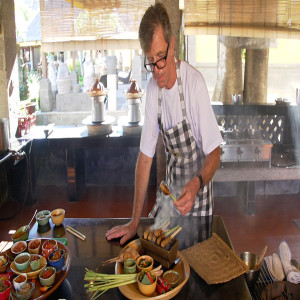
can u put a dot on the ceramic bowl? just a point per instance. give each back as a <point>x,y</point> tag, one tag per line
<point>49,280</point>
<point>3,263</point>
<point>43,217</point>
<point>59,262</point>
<point>48,247</point>
<point>129,266</point>
<point>144,263</point>
<point>19,281</point>
<point>34,246</point>
<point>57,216</point>
<point>250,259</point>
<point>35,262</point>
<point>19,247</point>
<point>21,234</point>
<point>22,261</point>
<point>5,295</point>
<point>146,289</point>
<point>26,291</point>
<point>172,277</point>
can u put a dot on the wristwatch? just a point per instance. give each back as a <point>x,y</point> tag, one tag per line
<point>201,182</point>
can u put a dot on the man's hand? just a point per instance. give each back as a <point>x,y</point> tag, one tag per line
<point>186,201</point>
<point>126,231</point>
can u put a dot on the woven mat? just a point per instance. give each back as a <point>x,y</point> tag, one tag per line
<point>214,261</point>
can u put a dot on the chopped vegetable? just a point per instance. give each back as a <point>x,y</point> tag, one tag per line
<point>163,283</point>
<point>160,289</point>
<point>149,276</point>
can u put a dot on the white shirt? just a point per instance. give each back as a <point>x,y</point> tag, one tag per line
<point>199,112</point>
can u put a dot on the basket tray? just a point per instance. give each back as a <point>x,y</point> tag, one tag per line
<point>214,261</point>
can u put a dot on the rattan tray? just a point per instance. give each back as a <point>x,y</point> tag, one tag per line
<point>214,261</point>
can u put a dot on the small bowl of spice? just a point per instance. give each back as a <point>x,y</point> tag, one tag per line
<point>34,246</point>
<point>42,217</point>
<point>35,262</point>
<point>57,216</point>
<point>21,234</point>
<point>172,277</point>
<point>47,276</point>
<point>19,281</point>
<point>22,261</point>
<point>48,247</point>
<point>18,247</point>
<point>147,282</point>
<point>26,291</point>
<point>5,287</point>
<point>3,263</point>
<point>144,263</point>
<point>57,259</point>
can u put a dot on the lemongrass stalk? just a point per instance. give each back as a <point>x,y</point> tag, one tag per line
<point>172,230</point>
<point>110,285</point>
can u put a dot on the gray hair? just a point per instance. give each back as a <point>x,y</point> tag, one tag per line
<point>155,16</point>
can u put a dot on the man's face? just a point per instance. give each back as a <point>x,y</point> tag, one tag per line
<point>158,51</point>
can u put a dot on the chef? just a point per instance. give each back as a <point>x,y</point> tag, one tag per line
<point>178,106</point>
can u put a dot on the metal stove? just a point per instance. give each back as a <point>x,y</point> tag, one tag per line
<point>246,150</point>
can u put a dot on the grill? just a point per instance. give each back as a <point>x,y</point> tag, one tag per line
<point>264,279</point>
<point>246,150</point>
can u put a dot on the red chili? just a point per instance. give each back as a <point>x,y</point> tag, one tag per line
<point>149,276</point>
<point>163,283</point>
<point>160,289</point>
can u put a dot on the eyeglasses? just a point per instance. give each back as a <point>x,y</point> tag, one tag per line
<point>160,63</point>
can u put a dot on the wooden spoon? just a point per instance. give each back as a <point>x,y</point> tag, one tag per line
<point>260,258</point>
<point>166,191</point>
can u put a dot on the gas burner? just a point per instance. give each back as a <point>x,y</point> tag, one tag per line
<point>246,150</point>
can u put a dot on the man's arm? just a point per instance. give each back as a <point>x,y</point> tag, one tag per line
<point>142,174</point>
<point>211,163</point>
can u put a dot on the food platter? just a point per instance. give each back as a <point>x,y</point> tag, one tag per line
<point>30,274</point>
<point>60,276</point>
<point>131,290</point>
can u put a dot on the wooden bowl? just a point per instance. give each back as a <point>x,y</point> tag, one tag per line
<point>146,289</point>
<point>131,291</point>
<point>142,259</point>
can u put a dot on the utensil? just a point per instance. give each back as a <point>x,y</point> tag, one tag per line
<point>260,258</point>
<point>32,218</point>
<point>76,233</point>
<point>166,191</point>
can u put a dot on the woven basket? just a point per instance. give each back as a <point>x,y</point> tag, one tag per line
<point>64,86</point>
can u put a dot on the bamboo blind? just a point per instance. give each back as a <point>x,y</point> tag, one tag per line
<point>243,18</point>
<point>82,20</point>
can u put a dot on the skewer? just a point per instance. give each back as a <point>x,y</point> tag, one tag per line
<point>75,232</point>
<point>176,231</point>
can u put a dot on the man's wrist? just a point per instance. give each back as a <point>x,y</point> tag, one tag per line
<point>201,182</point>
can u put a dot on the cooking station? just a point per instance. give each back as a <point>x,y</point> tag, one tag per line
<point>246,150</point>
<point>71,150</point>
<point>254,137</point>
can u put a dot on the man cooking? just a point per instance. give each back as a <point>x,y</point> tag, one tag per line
<point>178,106</point>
